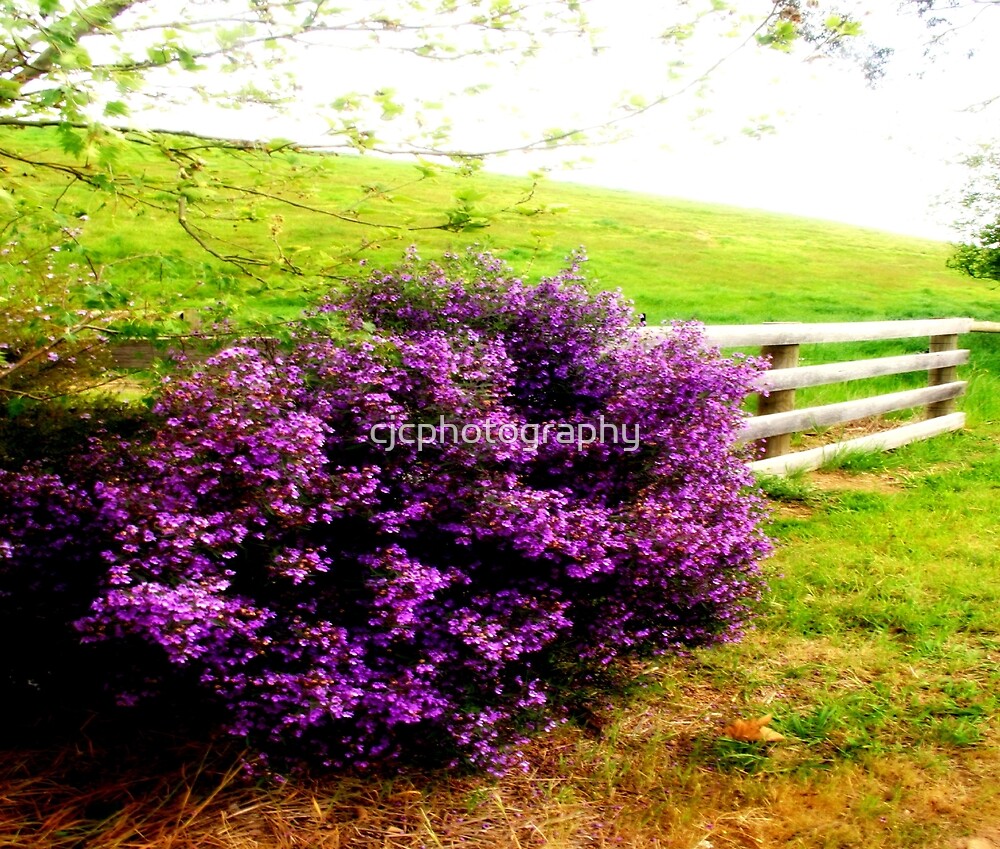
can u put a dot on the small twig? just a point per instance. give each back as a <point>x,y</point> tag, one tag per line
<point>29,358</point>
<point>240,262</point>
<point>20,394</point>
<point>340,216</point>
<point>62,194</point>
<point>98,329</point>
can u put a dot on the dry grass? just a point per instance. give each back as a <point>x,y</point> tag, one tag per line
<point>659,775</point>
<point>836,480</point>
<point>877,651</point>
<point>845,431</point>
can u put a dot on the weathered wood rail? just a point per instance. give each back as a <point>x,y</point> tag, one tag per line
<point>777,417</point>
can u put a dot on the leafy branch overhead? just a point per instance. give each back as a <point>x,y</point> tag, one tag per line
<point>65,58</point>
<point>98,75</point>
<point>85,89</point>
<point>105,74</point>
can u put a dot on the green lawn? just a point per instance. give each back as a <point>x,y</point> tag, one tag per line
<point>677,259</point>
<point>876,649</point>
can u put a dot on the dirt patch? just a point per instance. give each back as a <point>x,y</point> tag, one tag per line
<point>848,430</point>
<point>791,511</point>
<point>841,481</point>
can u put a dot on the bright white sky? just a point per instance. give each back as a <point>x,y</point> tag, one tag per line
<point>841,151</point>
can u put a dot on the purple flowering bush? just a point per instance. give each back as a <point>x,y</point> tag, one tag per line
<point>351,603</point>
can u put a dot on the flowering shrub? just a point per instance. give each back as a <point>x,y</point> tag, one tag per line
<point>358,605</point>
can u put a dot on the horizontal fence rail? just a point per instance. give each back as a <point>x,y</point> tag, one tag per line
<point>796,421</point>
<point>795,333</point>
<point>884,441</point>
<point>777,417</point>
<point>804,376</point>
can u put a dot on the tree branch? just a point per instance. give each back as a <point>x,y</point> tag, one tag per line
<point>89,21</point>
<point>30,357</point>
<point>244,264</point>
<point>308,208</point>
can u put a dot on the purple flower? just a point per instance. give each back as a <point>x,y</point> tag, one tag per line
<point>348,604</point>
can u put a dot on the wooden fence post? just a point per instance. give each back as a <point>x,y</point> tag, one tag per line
<point>937,376</point>
<point>781,401</point>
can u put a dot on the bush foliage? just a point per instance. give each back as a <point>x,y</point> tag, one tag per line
<point>354,605</point>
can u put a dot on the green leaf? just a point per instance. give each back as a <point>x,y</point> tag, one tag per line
<point>780,36</point>
<point>391,107</point>
<point>74,58</point>
<point>469,195</point>
<point>9,90</point>
<point>70,140</point>
<point>158,55</point>
<point>843,26</point>
<point>347,103</point>
<point>682,32</point>
<point>107,155</point>
<point>186,59</point>
<point>115,108</point>
<point>51,96</point>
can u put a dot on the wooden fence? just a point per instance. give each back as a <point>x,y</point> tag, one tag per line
<point>777,418</point>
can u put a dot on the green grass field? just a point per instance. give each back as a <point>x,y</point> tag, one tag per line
<point>876,649</point>
<point>677,259</point>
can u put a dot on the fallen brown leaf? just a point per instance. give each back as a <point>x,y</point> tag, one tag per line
<point>752,730</point>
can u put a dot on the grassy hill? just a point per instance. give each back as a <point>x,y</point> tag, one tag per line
<point>875,649</point>
<point>676,259</point>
